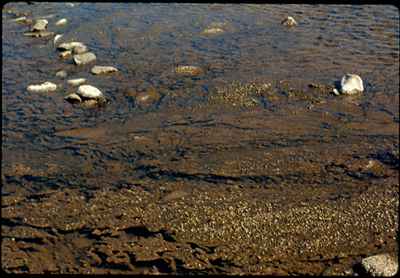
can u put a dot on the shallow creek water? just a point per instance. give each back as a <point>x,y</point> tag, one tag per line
<point>256,133</point>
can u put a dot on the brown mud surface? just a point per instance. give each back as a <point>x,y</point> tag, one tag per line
<point>268,173</point>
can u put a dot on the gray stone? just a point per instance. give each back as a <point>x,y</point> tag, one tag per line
<point>380,265</point>
<point>85,58</point>
<point>69,45</point>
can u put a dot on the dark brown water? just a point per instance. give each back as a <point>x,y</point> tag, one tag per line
<point>224,127</point>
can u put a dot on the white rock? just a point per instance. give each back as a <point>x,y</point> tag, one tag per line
<point>351,84</point>
<point>42,88</point>
<point>76,82</point>
<point>380,265</point>
<point>103,69</point>
<point>21,19</point>
<point>79,49</point>
<point>61,74</point>
<point>61,22</point>
<point>69,45</point>
<point>289,21</point>
<point>90,92</point>
<point>56,38</point>
<point>73,98</point>
<point>85,58</point>
<point>40,25</point>
<point>213,31</point>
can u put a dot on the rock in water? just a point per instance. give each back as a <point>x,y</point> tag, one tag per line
<point>56,38</point>
<point>289,21</point>
<point>89,92</point>
<point>76,82</point>
<point>69,45</point>
<point>351,84</point>
<point>212,31</point>
<point>80,49</point>
<point>61,22</point>
<point>42,88</point>
<point>38,34</point>
<point>40,25</point>
<point>61,74</point>
<point>73,98</point>
<point>65,54</point>
<point>85,58</point>
<point>103,69</point>
<point>188,70</point>
<point>380,265</point>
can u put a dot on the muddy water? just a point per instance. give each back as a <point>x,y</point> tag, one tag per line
<point>253,154</point>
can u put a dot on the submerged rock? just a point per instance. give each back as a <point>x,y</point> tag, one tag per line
<point>380,265</point>
<point>289,21</point>
<point>89,92</point>
<point>39,25</point>
<point>103,69</point>
<point>61,22</point>
<point>188,70</point>
<point>39,34</point>
<point>349,85</point>
<point>73,98</point>
<point>147,98</point>
<point>42,88</point>
<point>61,74</point>
<point>85,58</point>
<point>76,82</point>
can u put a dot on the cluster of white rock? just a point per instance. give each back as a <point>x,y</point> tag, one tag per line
<point>86,94</point>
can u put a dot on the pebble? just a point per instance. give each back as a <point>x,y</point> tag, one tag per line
<point>188,70</point>
<point>76,82</point>
<point>289,21</point>
<point>69,45</point>
<point>89,92</point>
<point>42,88</point>
<point>65,54</point>
<point>73,98</point>
<point>85,58</point>
<point>40,25</point>
<point>61,22</point>
<point>39,34</point>
<point>61,74</point>
<point>380,265</point>
<point>350,84</point>
<point>56,38</point>
<point>103,69</point>
<point>212,31</point>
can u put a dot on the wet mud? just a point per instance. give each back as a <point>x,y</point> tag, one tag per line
<point>205,174</point>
